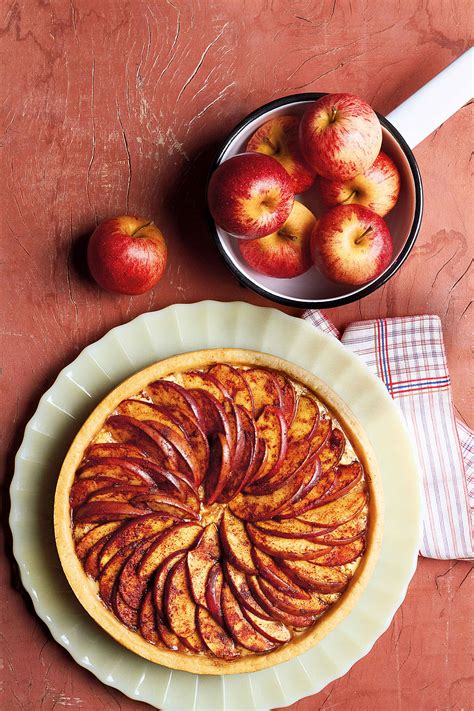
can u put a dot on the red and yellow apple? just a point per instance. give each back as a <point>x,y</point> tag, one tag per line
<point>127,254</point>
<point>340,136</point>
<point>250,195</point>
<point>286,252</point>
<point>377,188</point>
<point>279,138</point>
<point>351,244</point>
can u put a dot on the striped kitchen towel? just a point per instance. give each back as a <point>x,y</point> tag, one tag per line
<point>408,355</point>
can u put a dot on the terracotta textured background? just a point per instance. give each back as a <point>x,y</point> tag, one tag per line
<point>112,107</point>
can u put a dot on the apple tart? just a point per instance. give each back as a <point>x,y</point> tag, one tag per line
<point>219,512</point>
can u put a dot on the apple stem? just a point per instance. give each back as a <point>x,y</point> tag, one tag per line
<point>269,142</point>
<point>354,192</point>
<point>361,237</point>
<point>141,228</point>
<point>287,235</point>
<point>333,114</point>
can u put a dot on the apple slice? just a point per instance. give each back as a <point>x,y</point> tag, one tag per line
<point>84,488</point>
<point>125,431</point>
<point>112,449</point>
<point>271,429</point>
<point>347,476</point>
<point>321,433</point>
<point>146,620</point>
<point>245,465</point>
<point>270,571</point>
<point>347,532</point>
<point>170,394</point>
<point>131,586</point>
<point>159,503</point>
<point>211,416</point>
<point>137,530</point>
<point>167,427</point>
<point>200,561</point>
<point>168,637</point>
<point>264,387</point>
<point>197,380</point>
<point>241,630</point>
<point>126,614</point>
<point>118,493</point>
<point>214,637</point>
<point>318,578</point>
<point>159,582</point>
<point>296,454</point>
<point>109,574</point>
<point>214,583</point>
<point>239,585</point>
<point>180,538</point>
<point>194,642</point>
<point>312,498</point>
<point>288,394</point>
<point>339,511</point>
<point>235,542</point>
<point>288,548</point>
<point>313,605</point>
<point>291,528</point>
<point>219,471</point>
<point>296,621</point>
<point>109,468</point>
<point>272,629</point>
<point>331,452</point>
<point>306,419</point>
<point>342,555</point>
<point>261,508</point>
<point>193,432</point>
<point>103,511</point>
<point>98,533</point>
<point>178,602</point>
<point>234,384</point>
<point>91,562</point>
<point>187,462</point>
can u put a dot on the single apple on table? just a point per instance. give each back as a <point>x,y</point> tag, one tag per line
<point>351,244</point>
<point>377,188</point>
<point>279,138</point>
<point>127,255</point>
<point>340,136</point>
<point>250,195</point>
<point>285,253</point>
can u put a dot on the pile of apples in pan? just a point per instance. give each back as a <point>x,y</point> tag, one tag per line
<point>335,145</point>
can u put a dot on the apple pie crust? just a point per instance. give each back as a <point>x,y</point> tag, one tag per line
<point>219,512</point>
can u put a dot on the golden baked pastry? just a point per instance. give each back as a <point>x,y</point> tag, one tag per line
<point>219,512</point>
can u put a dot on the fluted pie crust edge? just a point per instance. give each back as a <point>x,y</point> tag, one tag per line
<point>85,588</point>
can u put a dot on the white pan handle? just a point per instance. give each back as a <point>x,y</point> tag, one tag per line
<point>436,101</point>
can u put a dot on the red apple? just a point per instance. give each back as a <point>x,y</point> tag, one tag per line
<point>250,195</point>
<point>351,244</point>
<point>127,254</point>
<point>279,138</point>
<point>340,136</point>
<point>285,253</point>
<point>377,188</point>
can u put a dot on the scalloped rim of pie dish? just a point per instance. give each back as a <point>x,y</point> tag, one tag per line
<point>86,589</point>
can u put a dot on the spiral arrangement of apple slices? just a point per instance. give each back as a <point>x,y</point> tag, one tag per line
<point>221,511</point>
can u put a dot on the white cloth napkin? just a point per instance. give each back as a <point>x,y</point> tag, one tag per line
<point>408,355</point>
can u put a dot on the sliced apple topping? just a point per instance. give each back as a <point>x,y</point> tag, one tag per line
<point>264,387</point>
<point>240,628</point>
<point>214,636</point>
<point>215,514</point>
<point>200,560</point>
<point>236,543</point>
<point>234,384</point>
